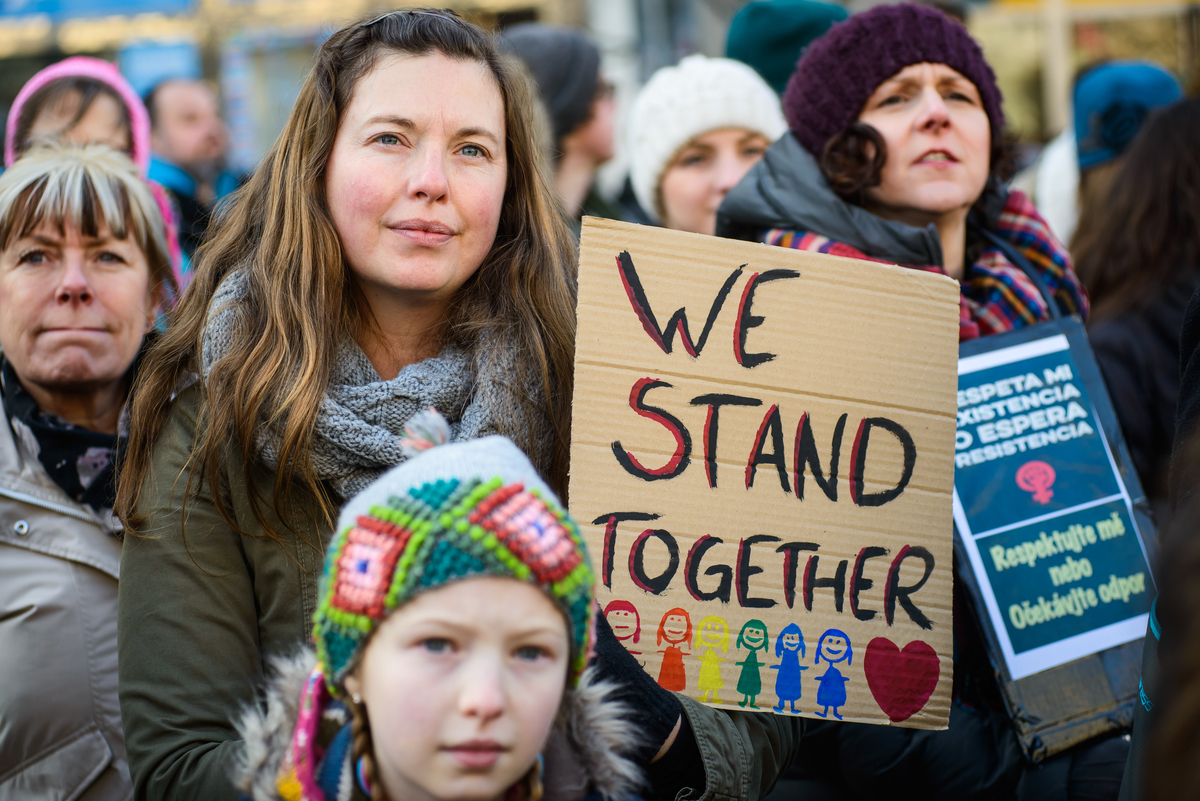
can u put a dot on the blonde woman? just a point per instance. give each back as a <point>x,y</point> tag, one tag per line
<point>83,269</point>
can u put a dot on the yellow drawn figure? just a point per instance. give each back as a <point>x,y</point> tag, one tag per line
<point>712,634</point>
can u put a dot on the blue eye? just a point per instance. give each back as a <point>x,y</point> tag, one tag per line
<point>389,139</point>
<point>531,653</point>
<point>473,151</point>
<point>110,258</point>
<point>437,645</point>
<point>33,257</point>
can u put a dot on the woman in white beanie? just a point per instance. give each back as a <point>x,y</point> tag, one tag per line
<point>697,128</point>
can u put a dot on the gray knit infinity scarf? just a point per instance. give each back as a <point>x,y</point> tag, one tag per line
<point>362,417</point>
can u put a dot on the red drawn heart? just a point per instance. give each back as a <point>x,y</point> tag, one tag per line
<point>901,681</point>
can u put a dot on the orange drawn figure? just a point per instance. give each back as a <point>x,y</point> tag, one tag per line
<point>676,629</point>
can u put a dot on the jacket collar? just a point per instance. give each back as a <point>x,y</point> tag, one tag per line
<point>179,180</point>
<point>171,176</point>
<point>786,190</point>
<point>22,473</point>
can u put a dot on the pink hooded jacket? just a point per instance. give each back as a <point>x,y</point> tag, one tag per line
<point>109,75</point>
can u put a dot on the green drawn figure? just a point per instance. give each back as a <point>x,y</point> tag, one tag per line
<point>711,634</point>
<point>752,637</point>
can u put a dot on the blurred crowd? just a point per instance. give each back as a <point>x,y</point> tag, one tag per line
<point>199,369</point>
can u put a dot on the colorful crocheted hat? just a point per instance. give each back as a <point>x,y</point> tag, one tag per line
<point>450,512</point>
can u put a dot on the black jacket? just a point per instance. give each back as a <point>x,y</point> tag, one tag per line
<point>1138,353</point>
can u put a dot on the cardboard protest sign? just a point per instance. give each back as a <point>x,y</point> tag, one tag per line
<point>1046,518</point>
<point>1053,523</point>
<point>762,462</point>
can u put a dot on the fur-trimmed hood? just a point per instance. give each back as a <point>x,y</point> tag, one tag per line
<point>587,752</point>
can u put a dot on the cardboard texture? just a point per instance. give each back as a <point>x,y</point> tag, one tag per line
<point>762,461</point>
<point>1089,678</point>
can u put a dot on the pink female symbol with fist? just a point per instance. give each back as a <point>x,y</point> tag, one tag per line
<point>1038,478</point>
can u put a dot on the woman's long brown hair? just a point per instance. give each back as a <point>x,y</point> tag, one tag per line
<point>300,301</point>
<point>1143,235</point>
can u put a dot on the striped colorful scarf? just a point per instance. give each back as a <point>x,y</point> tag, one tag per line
<point>997,296</point>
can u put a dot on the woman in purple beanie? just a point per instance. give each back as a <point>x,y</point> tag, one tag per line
<point>897,153</point>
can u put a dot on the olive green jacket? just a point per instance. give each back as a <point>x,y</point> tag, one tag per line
<point>203,610</point>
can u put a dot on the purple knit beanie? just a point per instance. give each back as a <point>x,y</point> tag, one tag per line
<point>838,73</point>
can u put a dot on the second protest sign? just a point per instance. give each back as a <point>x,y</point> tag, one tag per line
<point>762,460</point>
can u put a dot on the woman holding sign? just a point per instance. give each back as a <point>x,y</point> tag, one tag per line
<point>897,153</point>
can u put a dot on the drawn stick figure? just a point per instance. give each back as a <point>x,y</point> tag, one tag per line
<point>675,629</point>
<point>789,647</point>
<point>711,634</point>
<point>752,637</point>
<point>626,624</point>
<point>834,645</point>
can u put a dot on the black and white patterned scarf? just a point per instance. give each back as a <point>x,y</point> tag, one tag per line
<point>80,461</point>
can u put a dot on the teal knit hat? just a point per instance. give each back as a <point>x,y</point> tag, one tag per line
<point>770,35</point>
<point>450,512</point>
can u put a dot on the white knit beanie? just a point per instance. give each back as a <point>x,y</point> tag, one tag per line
<point>698,95</point>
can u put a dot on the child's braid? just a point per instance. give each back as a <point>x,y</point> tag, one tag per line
<point>364,749</point>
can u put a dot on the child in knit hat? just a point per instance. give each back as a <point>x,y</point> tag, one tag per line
<point>453,628</point>
<point>695,130</point>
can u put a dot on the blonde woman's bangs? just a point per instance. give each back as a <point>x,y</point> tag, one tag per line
<point>88,187</point>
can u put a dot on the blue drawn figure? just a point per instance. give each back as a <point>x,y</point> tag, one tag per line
<point>834,645</point>
<point>789,646</point>
<point>752,637</point>
<point>711,634</point>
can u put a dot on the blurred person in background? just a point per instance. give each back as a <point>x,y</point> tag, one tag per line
<point>81,100</point>
<point>1170,754</point>
<point>189,143</point>
<point>1147,342</point>
<point>695,130</point>
<point>83,269</point>
<point>1138,253</point>
<point>1111,103</point>
<point>1110,100</point>
<point>897,153</point>
<point>770,35</point>
<point>565,65</point>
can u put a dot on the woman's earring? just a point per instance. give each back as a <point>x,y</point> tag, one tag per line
<point>356,698</point>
